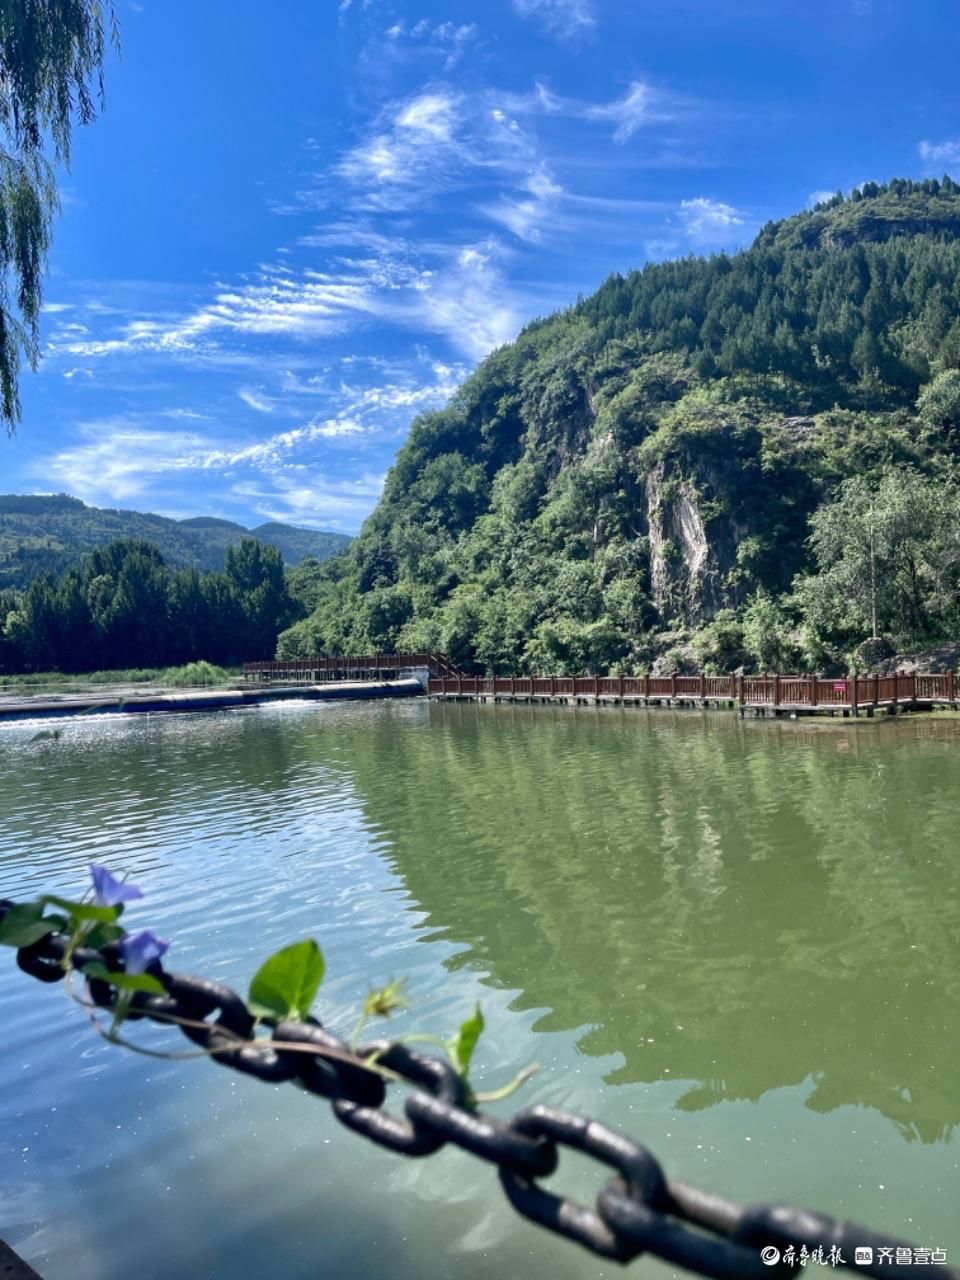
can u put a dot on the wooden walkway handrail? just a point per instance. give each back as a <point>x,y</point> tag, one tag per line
<point>782,693</point>
<point>370,665</point>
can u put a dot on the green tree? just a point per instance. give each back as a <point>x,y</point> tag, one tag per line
<point>255,573</point>
<point>888,560</point>
<point>51,61</point>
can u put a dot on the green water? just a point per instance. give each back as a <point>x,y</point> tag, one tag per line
<point>739,941</point>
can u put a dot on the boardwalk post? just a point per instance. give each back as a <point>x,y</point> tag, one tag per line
<point>646,687</point>
<point>596,687</point>
<point>553,686</point>
<point>459,686</point>
<point>896,693</point>
<point>951,686</point>
<point>776,692</point>
<point>703,687</point>
<point>621,686</point>
<point>876,689</point>
<point>855,693</point>
<point>513,685</point>
<point>673,687</point>
<point>740,691</point>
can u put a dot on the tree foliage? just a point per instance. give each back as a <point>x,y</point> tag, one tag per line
<point>124,608</point>
<point>888,547</point>
<point>51,62</point>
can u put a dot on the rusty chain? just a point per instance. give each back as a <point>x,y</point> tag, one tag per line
<point>639,1210</point>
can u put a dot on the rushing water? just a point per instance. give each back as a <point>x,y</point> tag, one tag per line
<point>738,941</point>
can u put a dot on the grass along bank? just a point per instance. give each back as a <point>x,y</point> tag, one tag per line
<point>192,675</point>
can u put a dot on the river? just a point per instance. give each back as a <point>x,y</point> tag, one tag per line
<point>739,941</point>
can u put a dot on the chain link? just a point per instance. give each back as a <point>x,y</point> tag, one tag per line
<point>638,1211</point>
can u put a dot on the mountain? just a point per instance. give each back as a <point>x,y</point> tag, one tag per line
<point>643,468</point>
<point>40,534</point>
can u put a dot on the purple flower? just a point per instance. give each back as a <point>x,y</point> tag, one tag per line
<point>108,891</point>
<point>141,949</point>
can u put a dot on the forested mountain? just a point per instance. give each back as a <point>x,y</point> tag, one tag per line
<point>670,456</point>
<point>40,534</point>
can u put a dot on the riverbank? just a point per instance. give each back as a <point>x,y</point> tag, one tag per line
<point>42,707</point>
<point>188,676</point>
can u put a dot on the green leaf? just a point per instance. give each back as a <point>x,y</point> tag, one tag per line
<point>85,910</point>
<point>462,1045</point>
<point>125,981</point>
<point>23,925</point>
<point>286,985</point>
<point>101,934</point>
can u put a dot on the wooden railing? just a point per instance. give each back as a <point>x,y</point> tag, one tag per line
<point>365,666</point>
<point>758,691</point>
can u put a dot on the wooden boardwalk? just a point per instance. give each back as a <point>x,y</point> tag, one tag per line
<point>761,695</point>
<point>371,666</point>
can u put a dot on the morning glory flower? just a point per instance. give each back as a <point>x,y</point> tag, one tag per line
<point>108,891</point>
<point>141,949</point>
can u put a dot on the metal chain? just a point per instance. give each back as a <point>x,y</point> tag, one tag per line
<point>639,1210</point>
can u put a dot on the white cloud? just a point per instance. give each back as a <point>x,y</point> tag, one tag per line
<point>564,19</point>
<point>118,458</point>
<point>946,153</point>
<point>818,197</point>
<point>261,403</point>
<point>525,215</point>
<point>404,155</point>
<point>630,113</point>
<point>313,498</point>
<point>446,39</point>
<point>707,222</point>
<point>469,302</point>
<point>641,106</point>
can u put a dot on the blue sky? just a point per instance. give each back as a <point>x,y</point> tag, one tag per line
<point>296,226</point>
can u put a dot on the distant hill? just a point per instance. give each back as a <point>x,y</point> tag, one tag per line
<point>50,533</point>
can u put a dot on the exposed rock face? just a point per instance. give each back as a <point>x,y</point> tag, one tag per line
<point>690,567</point>
<point>799,430</point>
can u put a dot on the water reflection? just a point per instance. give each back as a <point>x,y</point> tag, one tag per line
<point>689,908</point>
<point>740,905</point>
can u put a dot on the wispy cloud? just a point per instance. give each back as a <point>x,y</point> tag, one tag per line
<point>946,153</point>
<point>458,291</point>
<point>255,400</point>
<point>447,39</point>
<point>131,457</point>
<point>313,498</point>
<point>412,146</point>
<point>524,214</point>
<point>563,19</point>
<point>642,105</point>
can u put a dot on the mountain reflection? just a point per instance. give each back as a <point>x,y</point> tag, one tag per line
<point>740,905</point>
